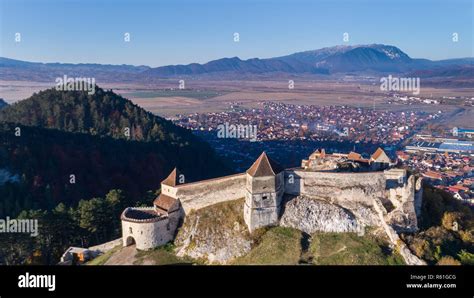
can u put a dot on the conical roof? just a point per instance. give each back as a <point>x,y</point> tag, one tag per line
<point>173,178</point>
<point>264,166</point>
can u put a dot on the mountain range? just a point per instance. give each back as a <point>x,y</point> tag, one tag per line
<point>359,59</point>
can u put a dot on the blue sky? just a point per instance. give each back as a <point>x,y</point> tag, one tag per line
<point>186,31</point>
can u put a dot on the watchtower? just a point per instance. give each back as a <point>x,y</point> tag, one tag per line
<point>264,193</point>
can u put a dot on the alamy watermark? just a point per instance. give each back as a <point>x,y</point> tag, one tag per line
<point>237,131</point>
<point>27,226</point>
<point>75,84</point>
<point>400,84</point>
<point>28,280</point>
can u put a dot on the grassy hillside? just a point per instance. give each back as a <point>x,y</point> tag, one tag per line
<point>163,255</point>
<point>284,246</point>
<point>351,249</point>
<point>218,235</point>
<point>278,246</point>
<point>100,260</point>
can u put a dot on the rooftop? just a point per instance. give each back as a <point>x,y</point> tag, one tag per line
<point>142,214</point>
<point>164,202</point>
<point>172,179</point>
<point>264,166</point>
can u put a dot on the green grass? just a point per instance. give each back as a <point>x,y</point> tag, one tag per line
<point>163,255</point>
<point>282,246</point>
<point>351,249</point>
<point>278,246</point>
<point>100,260</point>
<point>197,94</point>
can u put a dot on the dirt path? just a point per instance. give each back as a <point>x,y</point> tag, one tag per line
<point>125,256</point>
<point>338,251</point>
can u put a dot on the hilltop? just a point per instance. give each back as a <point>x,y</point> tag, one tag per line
<point>103,113</point>
<point>73,133</point>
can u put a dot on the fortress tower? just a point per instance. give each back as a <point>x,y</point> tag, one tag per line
<point>264,193</point>
<point>149,227</point>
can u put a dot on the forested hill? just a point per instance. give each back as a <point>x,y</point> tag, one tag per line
<point>72,133</point>
<point>104,113</point>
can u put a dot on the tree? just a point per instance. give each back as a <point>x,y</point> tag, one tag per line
<point>93,217</point>
<point>452,221</point>
<point>466,257</point>
<point>115,200</point>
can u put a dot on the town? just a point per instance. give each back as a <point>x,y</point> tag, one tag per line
<point>290,132</point>
<point>279,121</point>
<point>444,162</point>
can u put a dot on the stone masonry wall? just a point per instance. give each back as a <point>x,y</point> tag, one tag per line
<point>209,192</point>
<point>352,191</point>
<point>338,186</point>
<point>150,234</point>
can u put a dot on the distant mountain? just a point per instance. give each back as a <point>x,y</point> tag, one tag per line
<point>64,133</point>
<point>352,58</point>
<point>235,65</point>
<point>11,69</point>
<point>457,71</point>
<point>373,58</point>
<point>331,60</point>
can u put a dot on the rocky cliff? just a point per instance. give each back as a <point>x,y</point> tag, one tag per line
<point>311,215</point>
<point>215,234</point>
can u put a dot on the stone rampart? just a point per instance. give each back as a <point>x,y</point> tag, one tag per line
<point>209,192</point>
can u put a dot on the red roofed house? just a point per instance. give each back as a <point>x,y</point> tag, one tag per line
<point>380,160</point>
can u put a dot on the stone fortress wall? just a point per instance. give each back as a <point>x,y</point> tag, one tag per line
<point>194,196</point>
<point>336,185</point>
<point>357,193</point>
<point>353,191</point>
<point>333,186</point>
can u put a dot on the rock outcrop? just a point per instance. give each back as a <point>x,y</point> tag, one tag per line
<point>311,215</point>
<point>403,217</point>
<point>215,234</point>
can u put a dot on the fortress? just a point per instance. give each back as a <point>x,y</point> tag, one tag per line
<point>370,189</point>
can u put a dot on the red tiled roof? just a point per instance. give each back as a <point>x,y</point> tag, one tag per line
<point>378,153</point>
<point>164,202</point>
<point>459,187</point>
<point>431,174</point>
<point>264,166</point>
<point>354,156</point>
